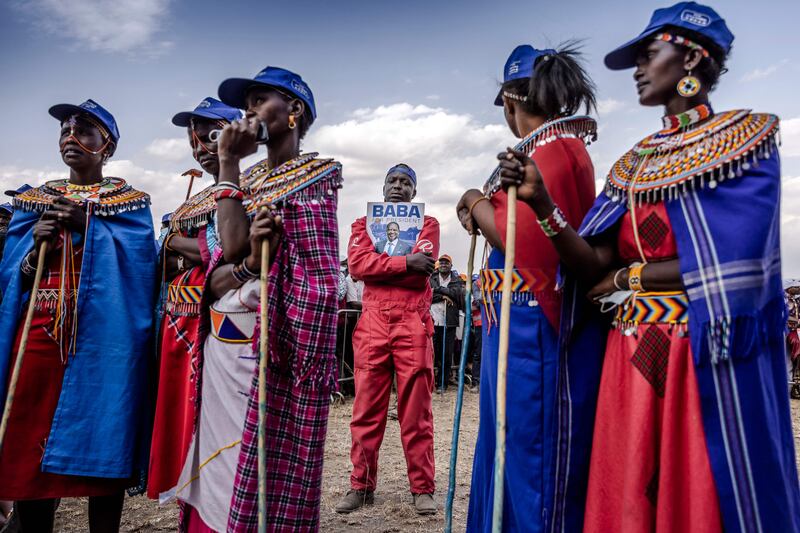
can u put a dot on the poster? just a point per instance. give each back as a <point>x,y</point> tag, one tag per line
<point>394,227</point>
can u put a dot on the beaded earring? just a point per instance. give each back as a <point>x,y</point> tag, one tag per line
<point>688,86</point>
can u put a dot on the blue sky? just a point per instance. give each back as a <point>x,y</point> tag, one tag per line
<point>411,81</point>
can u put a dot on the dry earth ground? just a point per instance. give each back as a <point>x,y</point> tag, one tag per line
<point>392,511</point>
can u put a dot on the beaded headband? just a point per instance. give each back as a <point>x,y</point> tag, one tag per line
<point>512,96</point>
<point>88,118</point>
<point>681,41</point>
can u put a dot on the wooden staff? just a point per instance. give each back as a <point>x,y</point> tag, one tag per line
<point>502,363</point>
<point>26,329</point>
<point>192,173</point>
<point>263,360</point>
<point>451,486</point>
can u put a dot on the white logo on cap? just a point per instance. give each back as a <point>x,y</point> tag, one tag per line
<point>693,17</point>
<point>425,245</point>
<point>513,68</point>
<point>299,87</point>
<point>262,73</point>
<point>205,103</point>
<point>88,105</point>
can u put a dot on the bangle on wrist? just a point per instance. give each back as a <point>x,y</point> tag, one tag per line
<point>26,267</point>
<point>554,224</point>
<point>616,275</point>
<point>242,274</point>
<point>167,240</point>
<point>635,277</point>
<point>476,202</point>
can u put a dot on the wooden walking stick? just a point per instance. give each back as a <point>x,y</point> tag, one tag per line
<point>26,329</point>
<point>502,363</point>
<point>192,173</point>
<point>451,485</point>
<point>263,360</point>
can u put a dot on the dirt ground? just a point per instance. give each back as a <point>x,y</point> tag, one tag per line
<point>392,512</point>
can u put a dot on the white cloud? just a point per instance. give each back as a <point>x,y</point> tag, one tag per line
<point>790,222</point>
<point>608,105</point>
<point>168,149</point>
<point>790,137</point>
<point>450,153</point>
<point>761,73</point>
<point>127,26</point>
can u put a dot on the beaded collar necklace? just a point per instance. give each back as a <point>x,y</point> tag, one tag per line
<point>581,127</point>
<point>686,119</point>
<point>304,178</point>
<point>672,161</point>
<point>107,197</point>
<point>195,212</point>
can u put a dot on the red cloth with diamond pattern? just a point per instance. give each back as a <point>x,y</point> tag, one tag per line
<point>172,427</point>
<point>648,435</point>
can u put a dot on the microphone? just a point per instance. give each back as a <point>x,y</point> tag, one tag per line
<point>262,135</point>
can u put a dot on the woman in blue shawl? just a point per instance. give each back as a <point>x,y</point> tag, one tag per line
<point>77,423</point>
<point>692,429</point>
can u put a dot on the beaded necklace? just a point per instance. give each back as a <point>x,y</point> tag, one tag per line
<point>304,178</point>
<point>683,120</point>
<point>581,127</point>
<point>672,161</point>
<point>107,197</point>
<point>195,212</point>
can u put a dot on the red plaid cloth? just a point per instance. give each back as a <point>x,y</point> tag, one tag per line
<point>302,371</point>
<point>297,421</point>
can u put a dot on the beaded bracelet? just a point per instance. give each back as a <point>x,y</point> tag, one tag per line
<point>229,193</point>
<point>554,224</point>
<point>635,277</point>
<point>26,267</point>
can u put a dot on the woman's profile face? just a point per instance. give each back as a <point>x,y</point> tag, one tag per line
<point>659,68</point>
<point>270,107</point>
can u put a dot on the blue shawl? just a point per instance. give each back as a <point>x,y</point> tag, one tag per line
<point>728,241</point>
<point>100,424</point>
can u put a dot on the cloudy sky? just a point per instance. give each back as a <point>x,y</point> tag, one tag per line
<point>408,81</point>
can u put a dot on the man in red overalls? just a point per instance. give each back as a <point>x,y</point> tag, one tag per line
<point>393,335</point>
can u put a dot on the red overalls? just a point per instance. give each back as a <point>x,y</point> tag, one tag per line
<point>393,333</point>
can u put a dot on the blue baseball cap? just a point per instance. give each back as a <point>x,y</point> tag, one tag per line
<point>19,190</point>
<point>63,111</point>
<point>209,108</point>
<point>691,16</point>
<point>166,217</point>
<point>404,169</point>
<point>233,90</point>
<point>520,65</point>
<point>7,207</point>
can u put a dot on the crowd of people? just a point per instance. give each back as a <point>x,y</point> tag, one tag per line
<point>646,365</point>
